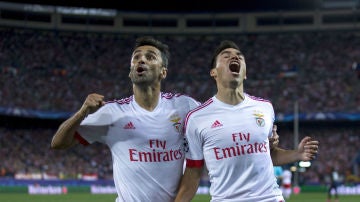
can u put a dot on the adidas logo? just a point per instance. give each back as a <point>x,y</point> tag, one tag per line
<point>129,125</point>
<point>216,124</point>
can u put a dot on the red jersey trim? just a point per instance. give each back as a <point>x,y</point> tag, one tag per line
<point>205,104</point>
<point>194,163</point>
<point>170,95</point>
<point>81,139</point>
<point>121,101</point>
<point>258,98</point>
<point>287,186</point>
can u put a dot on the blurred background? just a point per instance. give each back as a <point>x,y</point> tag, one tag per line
<point>302,55</point>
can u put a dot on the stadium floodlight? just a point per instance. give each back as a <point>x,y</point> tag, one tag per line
<point>304,164</point>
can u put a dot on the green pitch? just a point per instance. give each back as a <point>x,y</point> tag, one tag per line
<point>84,197</point>
<point>303,197</point>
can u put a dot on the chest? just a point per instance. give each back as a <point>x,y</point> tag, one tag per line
<point>226,127</point>
<point>158,129</point>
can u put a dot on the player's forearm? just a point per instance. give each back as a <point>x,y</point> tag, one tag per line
<point>281,156</point>
<point>64,136</point>
<point>186,193</point>
<point>189,185</point>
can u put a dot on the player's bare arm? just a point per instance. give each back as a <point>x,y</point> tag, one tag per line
<point>64,136</point>
<point>306,151</point>
<point>189,184</point>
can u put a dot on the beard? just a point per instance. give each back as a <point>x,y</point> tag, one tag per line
<point>143,80</point>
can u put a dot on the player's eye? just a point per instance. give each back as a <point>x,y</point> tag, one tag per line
<point>150,56</point>
<point>136,56</point>
<point>226,55</point>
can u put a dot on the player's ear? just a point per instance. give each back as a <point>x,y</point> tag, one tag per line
<point>213,72</point>
<point>163,72</point>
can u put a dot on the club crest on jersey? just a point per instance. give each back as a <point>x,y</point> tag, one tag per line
<point>176,120</point>
<point>259,118</point>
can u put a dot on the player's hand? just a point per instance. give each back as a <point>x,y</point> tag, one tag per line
<point>274,139</point>
<point>308,149</point>
<point>92,103</point>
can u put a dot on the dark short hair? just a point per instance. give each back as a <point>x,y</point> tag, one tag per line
<point>151,41</point>
<point>222,46</point>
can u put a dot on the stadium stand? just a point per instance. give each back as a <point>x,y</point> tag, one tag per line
<point>48,67</point>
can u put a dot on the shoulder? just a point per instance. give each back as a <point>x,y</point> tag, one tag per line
<point>200,111</point>
<point>204,107</point>
<point>257,99</point>
<point>180,98</point>
<point>121,101</point>
<point>170,95</point>
<point>116,104</point>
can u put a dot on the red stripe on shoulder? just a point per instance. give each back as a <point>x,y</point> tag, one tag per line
<point>169,95</point>
<point>194,163</point>
<point>121,101</point>
<point>81,139</point>
<point>194,110</point>
<point>258,98</point>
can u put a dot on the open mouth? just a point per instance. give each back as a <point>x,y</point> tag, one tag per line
<point>140,69</point>
<point>234,67</point>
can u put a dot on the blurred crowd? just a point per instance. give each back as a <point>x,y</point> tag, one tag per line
<point>338,150</point>
<point>26,152</point>
<point>55,70</point>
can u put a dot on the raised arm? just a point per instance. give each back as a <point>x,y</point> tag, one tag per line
<point>64,136</point>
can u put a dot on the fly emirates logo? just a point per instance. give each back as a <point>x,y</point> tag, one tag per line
<point>242,146</point>
<point>159,153</point>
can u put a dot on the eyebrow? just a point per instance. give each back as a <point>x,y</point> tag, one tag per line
<point>228,52</point>
<point>150,51</point>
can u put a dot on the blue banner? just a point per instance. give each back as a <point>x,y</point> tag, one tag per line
<point>326,116</point>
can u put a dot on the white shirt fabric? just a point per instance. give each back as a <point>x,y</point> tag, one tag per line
<point>147,147</point>
<point>233,141</point>
<point>286,177</point>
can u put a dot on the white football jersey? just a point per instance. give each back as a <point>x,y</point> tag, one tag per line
<point>147,147</point>
<point>233,141</point>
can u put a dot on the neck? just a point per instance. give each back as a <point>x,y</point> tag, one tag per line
<point>231,96</point>
<point>147,97</point>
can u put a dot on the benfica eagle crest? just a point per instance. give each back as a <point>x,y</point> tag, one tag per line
<point>259,118</point>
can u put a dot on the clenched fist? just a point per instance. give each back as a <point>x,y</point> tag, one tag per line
<point>92,103</point>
